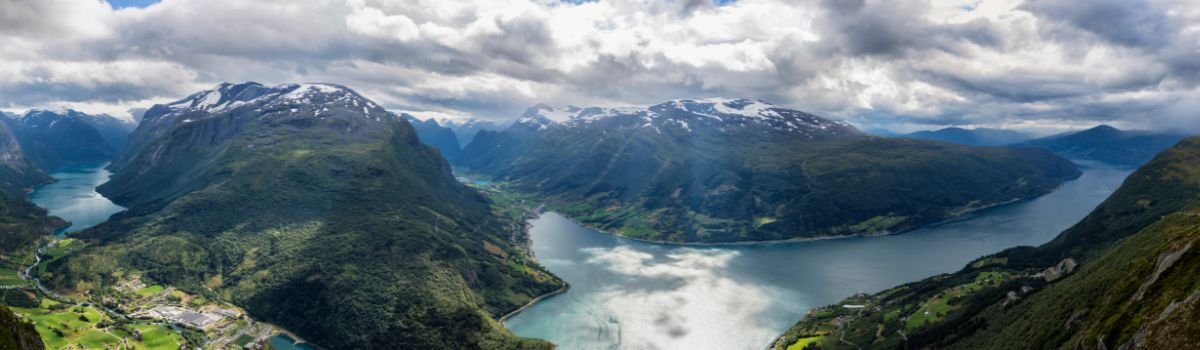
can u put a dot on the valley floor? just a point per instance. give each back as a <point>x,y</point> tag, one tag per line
<point>131,316</point>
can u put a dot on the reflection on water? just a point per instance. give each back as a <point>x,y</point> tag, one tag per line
<point>73,196</point>
<point>634,295</point>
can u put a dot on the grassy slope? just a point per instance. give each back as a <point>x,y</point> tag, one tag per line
<point>350,241</point>
<point>678,186</point>
<point>1152,223</point>
<point>61,326</point>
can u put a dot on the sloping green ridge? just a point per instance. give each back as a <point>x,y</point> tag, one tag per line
<point>1138,284</point>
<point>22,226</point>
<point>352,235</point>
<point>720,185</point>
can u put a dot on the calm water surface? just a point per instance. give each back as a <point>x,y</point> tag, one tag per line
<point>73,197</point>
<point>632,295</point>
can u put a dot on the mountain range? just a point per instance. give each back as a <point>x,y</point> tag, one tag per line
<point>971,137</point>
<point>435,135</point>
<point>466,130</point>
<point>1108,144</point>
<point>721,170</point>
<point>319,211</point>
<point>54,138</point>
<point>315,209</point>
<point>1122,278</point>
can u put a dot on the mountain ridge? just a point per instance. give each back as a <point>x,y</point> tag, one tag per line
<point>971,137</point>
<point>314,209</point>
<point>743,170</point>
<point>442,138</point>
<point>53,138</point>
<point>1123,277</point>
<point>1108,144</point>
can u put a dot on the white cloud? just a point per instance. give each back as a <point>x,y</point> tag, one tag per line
<point>702,298</point>
<point>885,63</point>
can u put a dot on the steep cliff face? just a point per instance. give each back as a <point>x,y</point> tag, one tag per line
<point>16,170</point>
<point>21,222</point>
<point>435,135</point>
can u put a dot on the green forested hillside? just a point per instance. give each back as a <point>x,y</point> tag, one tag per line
<point>316,210</point>
<point>1124,277</point>
<point>17,334</point>
<point>22,226</point>
<point>22,223</point>
<point>697,171</point>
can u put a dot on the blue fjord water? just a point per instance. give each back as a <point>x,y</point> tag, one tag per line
<point>627,294</point>
<point>73,196</point>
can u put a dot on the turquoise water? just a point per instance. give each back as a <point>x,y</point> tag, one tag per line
<point>283,342</point>
<point>73,196</point>
<point>633,295</point>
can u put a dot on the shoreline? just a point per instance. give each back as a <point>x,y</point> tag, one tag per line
<point>566,286</point>
<point>725,244</point>
<point>961,216</point>
<point>965,213</point>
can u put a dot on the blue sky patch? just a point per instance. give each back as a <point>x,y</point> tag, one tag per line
<point>118,4</point>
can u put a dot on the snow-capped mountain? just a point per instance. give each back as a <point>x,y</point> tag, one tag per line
<point>54,137</point>
<point>689,114</point>
<point>711,169</point>
<point>318,101</point>
<point>303,178</point>
<point>211,116</point>
<point>115,131</point>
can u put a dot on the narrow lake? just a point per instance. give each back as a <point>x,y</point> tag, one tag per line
<point>633,295</point>
<point>73,196</point>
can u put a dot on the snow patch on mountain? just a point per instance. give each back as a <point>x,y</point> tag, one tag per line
<point>313,99</point>
<point>690,114</point>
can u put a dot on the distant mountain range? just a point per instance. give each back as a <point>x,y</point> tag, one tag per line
<point>1107,144</point>
<point>722,170</point>
<point>971,137</point>
<point>435,135</point>
<point>1125,277</point>
<point>316,210</point>
<point>466,130</point>
<point>1102,143</point>
<point>53,138</point>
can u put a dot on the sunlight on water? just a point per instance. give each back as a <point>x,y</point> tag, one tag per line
<point>634,295</point>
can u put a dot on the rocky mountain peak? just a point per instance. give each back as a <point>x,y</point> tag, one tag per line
<point>719,114</point>
<point>316,100</point>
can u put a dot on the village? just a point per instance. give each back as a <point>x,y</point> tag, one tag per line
<point>223,326</point>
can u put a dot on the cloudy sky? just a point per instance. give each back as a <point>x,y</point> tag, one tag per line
<point>897,64</point>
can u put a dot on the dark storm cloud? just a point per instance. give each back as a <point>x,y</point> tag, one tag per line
<point>1125,22</point>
